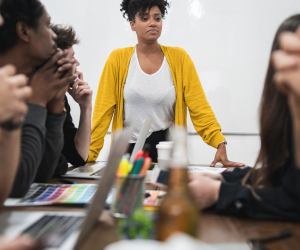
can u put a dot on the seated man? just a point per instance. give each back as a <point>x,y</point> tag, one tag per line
<point>28,42</point>
<point>76,141</point>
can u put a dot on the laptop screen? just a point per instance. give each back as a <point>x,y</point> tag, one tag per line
<point>118,149</point>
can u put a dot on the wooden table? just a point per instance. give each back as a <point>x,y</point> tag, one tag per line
<point>213,228</point>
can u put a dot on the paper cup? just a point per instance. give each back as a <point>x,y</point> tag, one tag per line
<point>164,164</point>
<point>171,143</point>
<point>164,151</point>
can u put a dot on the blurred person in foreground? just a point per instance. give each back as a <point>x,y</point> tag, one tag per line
<point>287,64</point>
<point>13,96</point>
<point>269,191</point>
<point>28,42</point>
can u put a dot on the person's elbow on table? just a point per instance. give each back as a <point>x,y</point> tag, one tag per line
<point>204,189</point>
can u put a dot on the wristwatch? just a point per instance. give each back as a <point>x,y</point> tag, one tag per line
<point>12,126</point>
<point>225,142</point>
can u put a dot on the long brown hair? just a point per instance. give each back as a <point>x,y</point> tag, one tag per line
<point>274,115</point>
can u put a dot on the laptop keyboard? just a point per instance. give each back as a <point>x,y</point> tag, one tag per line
<point>99,172</point>
<point>52,231</point>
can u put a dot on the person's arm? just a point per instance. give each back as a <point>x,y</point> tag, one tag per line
<point>54,141</point>
<point>69,151</point>
<point>61,167</point>
<point>231,198</point>
<point>201,113</point>
<point>82,94</point>
<point>32,149</point>
<point>83,136</point>
<point>13,93</point>
<point>275,204</point>
<point>9,155</point>
<point>23,242</point>
<point>236,175</point>
<point>104,108</point>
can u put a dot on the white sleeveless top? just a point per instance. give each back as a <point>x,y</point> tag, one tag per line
<point>148,96</point>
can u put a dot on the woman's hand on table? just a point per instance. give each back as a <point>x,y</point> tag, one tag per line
<point>204,189</point>
<point>221,157</point>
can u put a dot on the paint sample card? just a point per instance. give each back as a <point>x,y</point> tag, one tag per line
<point>48,194</point>
<point>206,169</point>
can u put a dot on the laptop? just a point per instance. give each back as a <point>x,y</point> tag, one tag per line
<point>67,230</point>
<point>96,170</point>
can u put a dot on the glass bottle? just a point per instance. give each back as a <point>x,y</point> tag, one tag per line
<point>178,211</point>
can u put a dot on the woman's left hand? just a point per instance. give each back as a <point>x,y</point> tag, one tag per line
<point>221,157</point>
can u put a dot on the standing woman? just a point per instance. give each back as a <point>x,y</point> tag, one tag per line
<point>152,81</point>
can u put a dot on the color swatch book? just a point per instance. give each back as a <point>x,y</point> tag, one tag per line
<point>48,194</point>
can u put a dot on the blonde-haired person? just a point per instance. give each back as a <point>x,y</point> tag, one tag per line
<point>270,192</point>
<point>152,81</point>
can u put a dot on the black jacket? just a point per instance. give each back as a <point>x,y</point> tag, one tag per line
<point>278,203</point>
<point>69,152</point>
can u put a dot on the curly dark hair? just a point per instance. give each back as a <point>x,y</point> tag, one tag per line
<point>66,36</point>
<point>14,11</point>
<point>131,7</point>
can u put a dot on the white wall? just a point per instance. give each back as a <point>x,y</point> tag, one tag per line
<point>229,42</point>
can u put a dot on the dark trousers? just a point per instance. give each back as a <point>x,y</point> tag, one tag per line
<point>153,140</point>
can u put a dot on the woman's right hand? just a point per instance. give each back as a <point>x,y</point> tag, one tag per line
<point>20,243</point>
<point>287,63</point>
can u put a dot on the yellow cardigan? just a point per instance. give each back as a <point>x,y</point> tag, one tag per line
<point>189,93</point>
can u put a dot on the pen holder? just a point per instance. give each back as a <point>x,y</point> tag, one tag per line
<point>129,195</point>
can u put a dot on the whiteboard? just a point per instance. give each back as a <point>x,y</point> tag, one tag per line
<point>228,40</point>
